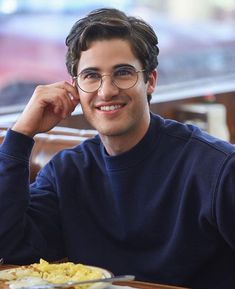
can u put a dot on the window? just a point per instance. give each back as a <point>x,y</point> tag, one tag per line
<point>196,40</point>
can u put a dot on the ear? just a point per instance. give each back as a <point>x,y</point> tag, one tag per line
<point>73,81</point>
<point>152,82</point>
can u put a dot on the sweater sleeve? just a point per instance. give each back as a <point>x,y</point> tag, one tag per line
<point>29,224</point>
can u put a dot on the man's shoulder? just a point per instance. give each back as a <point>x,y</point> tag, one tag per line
<point>87,147</point>
<point>194,136</point>
<point>91,143</point>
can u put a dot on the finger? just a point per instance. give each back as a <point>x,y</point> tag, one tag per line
<point>58,98</point>
<point>58,106</point>
<point>68,103</point>
<point>72,90</point>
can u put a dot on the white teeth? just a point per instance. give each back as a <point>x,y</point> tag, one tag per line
<point>111,107</point>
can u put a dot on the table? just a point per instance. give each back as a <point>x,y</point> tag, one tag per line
<point>133,284</point>
<point>147,285</point>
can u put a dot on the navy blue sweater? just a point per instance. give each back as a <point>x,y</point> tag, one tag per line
<point>163,211</point>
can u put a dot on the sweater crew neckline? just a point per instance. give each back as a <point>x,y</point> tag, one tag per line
<point>138,152</point>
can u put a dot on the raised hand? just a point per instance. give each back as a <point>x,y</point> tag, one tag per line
<point>48,105</point>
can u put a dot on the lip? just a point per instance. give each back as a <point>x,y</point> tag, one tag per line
<point>110,108</point>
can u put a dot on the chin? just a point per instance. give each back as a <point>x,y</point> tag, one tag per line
<point>111,127</point>
<point>111,130</point>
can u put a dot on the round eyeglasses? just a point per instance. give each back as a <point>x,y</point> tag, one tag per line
<point>124,77</point>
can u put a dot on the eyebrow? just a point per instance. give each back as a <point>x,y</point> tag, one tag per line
<point>123,65</point>
<point>96,69</point>
<point>88,69</point>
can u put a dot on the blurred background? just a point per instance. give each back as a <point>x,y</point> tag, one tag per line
<point>196,41</point>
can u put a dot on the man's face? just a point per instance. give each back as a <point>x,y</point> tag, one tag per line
<point>110,110</point>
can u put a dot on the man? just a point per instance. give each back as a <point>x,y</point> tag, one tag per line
<point>146,196</point>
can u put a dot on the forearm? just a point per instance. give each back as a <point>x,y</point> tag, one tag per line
<point>14,165</point>
<point>14,189</point>
<point>24,226</point>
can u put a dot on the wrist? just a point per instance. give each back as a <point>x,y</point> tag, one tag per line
<point>23,130</point>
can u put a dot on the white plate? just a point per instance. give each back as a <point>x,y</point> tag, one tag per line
<point>106,274</point>
<point>7,276</point>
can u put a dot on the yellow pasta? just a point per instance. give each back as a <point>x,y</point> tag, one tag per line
<point>44,272</point>
<point>64,272</point>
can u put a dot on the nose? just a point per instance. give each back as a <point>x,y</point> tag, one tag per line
<point>107,88</point>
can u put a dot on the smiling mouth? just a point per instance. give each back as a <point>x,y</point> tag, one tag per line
<point>110,107</point>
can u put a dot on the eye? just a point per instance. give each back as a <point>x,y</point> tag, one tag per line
<point>124,71</point>
<point>89,75</point>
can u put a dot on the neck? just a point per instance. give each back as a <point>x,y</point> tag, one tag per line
<point>117,144</point>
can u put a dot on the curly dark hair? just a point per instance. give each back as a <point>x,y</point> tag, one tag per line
<point>108,23</point>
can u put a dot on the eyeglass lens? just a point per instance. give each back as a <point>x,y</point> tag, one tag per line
<point>122,77</point>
